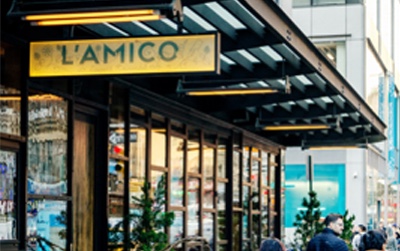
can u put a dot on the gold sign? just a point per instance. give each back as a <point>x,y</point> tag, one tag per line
<point>144,55</point>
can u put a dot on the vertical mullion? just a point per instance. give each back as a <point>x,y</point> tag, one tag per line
<point>22,171</point>
<point>201,199</point>
<point>127,116</point>
<point>229,192</point>
<point>278,182</point>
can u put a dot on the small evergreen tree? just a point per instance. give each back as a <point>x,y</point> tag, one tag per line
<point>307,221</point>
<point>347,228</point>
<point>148,222</point>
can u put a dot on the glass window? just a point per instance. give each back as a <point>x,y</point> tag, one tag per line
<point>47,144</point>
<point>236,179</point>
<point>193,151</point>
<point>193,206</point>
<point>177,161</point>
<point>272,193</point>
<point>255,185</point>
<point>246,164</point>
<point>208,228</point>
<point>221,158</point>
<point>10,101</point>
<point>46,224</point>
<point>158,141</point>
<point>255,233</point>
<point>137,156</point>
<point>8,166</point>
<point>246,211</point>
<point>176,229</point>
<point>221,205</point>
<point>236,230</point>
<point>208,155</point>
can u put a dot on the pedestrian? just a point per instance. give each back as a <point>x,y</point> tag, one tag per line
<point>373,240</point>
<point>328,239</point>
<point>360,229</point>
<point>391,243</point>
<point>272,244</point>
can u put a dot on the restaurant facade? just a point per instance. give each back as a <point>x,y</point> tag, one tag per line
<point>90,111</point>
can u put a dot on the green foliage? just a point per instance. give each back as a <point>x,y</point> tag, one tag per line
<point>347,228</point>
<point>148,221</point>
<point>307,221</point>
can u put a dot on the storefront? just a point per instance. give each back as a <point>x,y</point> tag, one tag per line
<point>76,147</point>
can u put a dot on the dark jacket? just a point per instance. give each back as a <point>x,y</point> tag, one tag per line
<point>327,241</point>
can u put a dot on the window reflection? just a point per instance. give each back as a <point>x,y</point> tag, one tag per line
<point>177,161</point>
<point>246,164</point>
<point>137,169</point>
<point>158,143</point>
<point>46,224</point>
<point>236,231</point>
<point>8,168</point>
<point>193,206</point>
<point>246,211</point>
<point>208,155</point>
<point>47,145</point>
<point>10,99</point>
<point>193,152</point>
<point>221,159</point>
<point>208,227</point>
<point>236,179</point>
<point>176,229</point>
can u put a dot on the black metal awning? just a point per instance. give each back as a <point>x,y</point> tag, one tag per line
<point>262,48</point>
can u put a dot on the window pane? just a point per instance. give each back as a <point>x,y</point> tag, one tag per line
<point>236,230</point>
<point>193,206</point>
<point>272,193</point>
<point>158,142</point>
<point>221,211</point>
<point>137,170</point>
<point>116,139</point>
<point>208,227</point>
<point>8,169</point>
<point>177,161</point>
<point>236,179</point>
<point>46,224</point>
<point>255,236</point>
<point>255,185</point>
<point>47,144</point>
<point>176,229</point>
<point>246,211</point>
<point>264,169</point>
<point>193,152</point>
<point>10,103</point>
<point>221,159</point>
<point>208,155</point>
<point>246,164</point>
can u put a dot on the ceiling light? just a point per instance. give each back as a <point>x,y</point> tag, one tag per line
<point>295,127</point>
<point>216,92</point>
<point>92,17</point>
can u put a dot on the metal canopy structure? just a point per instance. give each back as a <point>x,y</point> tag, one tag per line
<point>262,48</point>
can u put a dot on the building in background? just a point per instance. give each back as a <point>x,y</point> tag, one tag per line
<point>362,40</point>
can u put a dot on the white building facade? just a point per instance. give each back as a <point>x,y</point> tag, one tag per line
<point>362,39</point>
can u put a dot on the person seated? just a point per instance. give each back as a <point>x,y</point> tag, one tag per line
<point>373,240</point>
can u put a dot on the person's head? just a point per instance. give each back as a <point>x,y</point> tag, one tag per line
<point>362,228</point>
<point>271,244</point>
<point>373,239</point>
<point>334,222</point>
